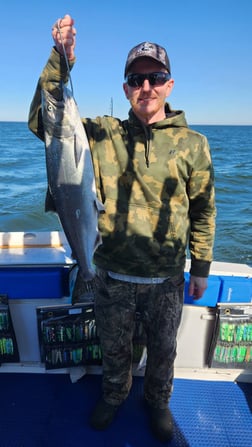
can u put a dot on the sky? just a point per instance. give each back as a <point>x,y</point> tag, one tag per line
<point>209,43</point>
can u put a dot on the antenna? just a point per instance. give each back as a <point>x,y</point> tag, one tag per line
<point>111,106</point>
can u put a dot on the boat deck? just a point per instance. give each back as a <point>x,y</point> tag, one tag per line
<point>42,408</point>
<point>48,410</point>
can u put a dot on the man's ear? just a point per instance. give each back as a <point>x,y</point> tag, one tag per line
<point>170,86</point>
<point>126,89</point>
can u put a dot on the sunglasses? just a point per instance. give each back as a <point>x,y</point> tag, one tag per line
<point>156,78</point>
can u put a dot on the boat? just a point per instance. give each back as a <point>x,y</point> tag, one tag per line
<point>51,361</point>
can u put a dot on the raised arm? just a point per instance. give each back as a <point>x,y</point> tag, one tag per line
<point>55,70</point>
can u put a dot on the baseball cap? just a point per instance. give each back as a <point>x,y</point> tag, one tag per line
<point>148,49</point>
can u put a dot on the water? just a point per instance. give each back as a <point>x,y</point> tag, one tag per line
<point>23,186</point>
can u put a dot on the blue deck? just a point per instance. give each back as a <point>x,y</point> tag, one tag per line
<point>48,410</point>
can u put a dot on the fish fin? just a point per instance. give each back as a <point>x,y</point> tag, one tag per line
<point>98,241</point>
<point>99,206</point>
<point>143,359</point>
<point>77,151</point>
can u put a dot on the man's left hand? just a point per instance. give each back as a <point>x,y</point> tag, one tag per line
<point>197,286</point>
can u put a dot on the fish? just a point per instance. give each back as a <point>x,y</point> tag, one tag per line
<point>71,179</point>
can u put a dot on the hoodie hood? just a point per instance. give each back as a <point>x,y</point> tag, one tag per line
<point>174,118</point>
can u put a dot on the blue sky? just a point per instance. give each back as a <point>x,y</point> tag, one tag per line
<point>209,44</point>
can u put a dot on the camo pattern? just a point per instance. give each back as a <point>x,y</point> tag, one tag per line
<point>160,307</point>
<point>152,213</point>
<point>54,72</point>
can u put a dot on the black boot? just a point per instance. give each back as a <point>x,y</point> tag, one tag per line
<point>103,415</point>
<point>161,423</point>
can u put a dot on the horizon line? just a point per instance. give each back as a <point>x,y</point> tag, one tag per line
<point>189,124</point>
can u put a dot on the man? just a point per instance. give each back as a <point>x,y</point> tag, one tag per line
<point>155,178</point>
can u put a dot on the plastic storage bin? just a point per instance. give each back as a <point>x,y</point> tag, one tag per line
<point>28,287</point>
<point>235,290</point>
<point>34,282</point>
<point>211,295</point>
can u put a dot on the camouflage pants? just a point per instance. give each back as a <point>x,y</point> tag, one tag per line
<point>160,307</point>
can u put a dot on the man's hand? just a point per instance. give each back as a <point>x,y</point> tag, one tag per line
<point>66,35</point>
<point>197,286</point>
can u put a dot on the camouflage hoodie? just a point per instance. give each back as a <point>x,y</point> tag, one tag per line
<point>156,183</point>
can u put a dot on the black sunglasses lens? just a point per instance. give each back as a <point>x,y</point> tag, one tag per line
<point>153,78</point>
<point>156,78</point>
<point>137,79</point>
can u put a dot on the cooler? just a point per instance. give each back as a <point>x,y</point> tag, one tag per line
<point>34,270</point>
<point>197,325</point>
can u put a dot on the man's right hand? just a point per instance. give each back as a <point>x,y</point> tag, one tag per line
<point>66,35</point>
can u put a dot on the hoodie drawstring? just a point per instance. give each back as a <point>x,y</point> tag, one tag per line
<point>147,145</point>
